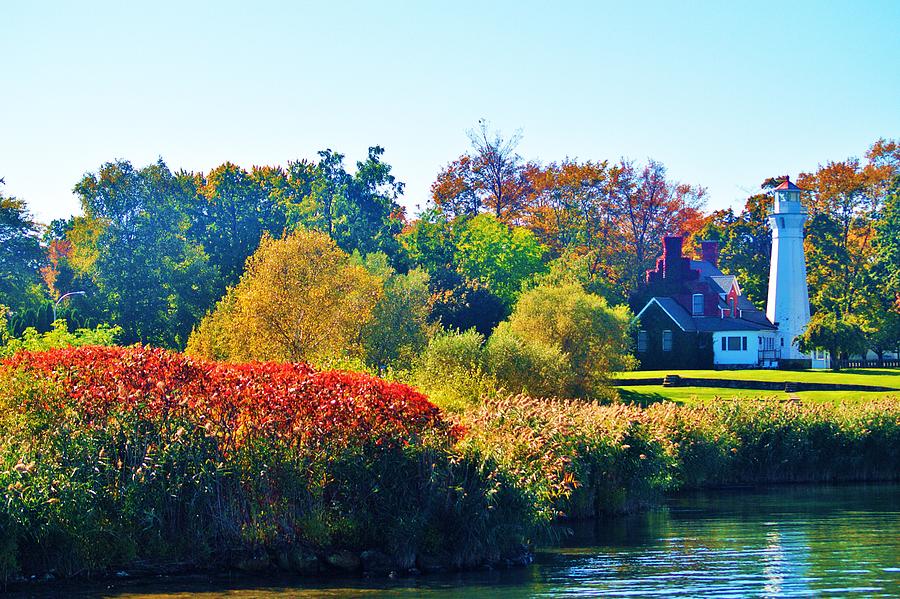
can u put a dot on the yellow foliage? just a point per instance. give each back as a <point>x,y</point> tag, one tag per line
<point>300,299</point>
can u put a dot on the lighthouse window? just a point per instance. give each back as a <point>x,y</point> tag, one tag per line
<point>781,221</point>
<point>697,304</point>
<point>667,341</point>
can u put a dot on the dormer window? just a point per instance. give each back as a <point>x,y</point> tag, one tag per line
<point>697,304</point>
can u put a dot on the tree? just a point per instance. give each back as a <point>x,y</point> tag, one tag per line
<point>301,298</point>
<point>845,200</point>
<point>570,209</point>
<point>468,305</point>
<point>149,278</point>
<point>374,217</point>
<point>745,244</point>
<point>22,256</point>
<point>887,243</point>
<point>840,337</point>
<point>491,177</point>
<point>651,207</point>
<point>359,211</point>
<point>476,267</point>
<point>230,213</point>
<point>500,257</point>
<point>399,329</point>
<point>593,337</point>
<point>524,365</point>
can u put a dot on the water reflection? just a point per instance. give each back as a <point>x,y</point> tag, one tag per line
<point>779,542</point>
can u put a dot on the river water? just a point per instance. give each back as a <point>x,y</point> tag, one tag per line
<point>773,542</point>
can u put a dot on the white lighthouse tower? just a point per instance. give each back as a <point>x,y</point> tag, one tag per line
<point>788,303</point>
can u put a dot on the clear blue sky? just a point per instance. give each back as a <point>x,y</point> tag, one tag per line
<point>724,93</point>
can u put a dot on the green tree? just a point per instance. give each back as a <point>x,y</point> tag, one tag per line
<point>21,258</point>
<point>592,336</point>
<point>745,244</point>
<point>151,280</point>
<point>523,365</point>
<point>498,256</point>
<point>887,243</point>
<point>230,212</point>
<point>457,302</point>
<point>359,211</point>
<point>400,328</point>
<point>841,337</point>
<point>374,217</point>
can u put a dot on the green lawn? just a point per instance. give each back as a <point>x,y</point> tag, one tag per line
<point>881,377</point>
<point>647,394</point>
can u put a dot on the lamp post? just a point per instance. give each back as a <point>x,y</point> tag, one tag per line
<point>64,296</point>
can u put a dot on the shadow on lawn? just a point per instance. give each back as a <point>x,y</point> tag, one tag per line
<point>869,371</point>
<point>641,399</point>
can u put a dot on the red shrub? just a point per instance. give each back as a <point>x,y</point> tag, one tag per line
<point>238,402</point>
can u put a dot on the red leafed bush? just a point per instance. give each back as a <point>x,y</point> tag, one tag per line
<point>237,403</point>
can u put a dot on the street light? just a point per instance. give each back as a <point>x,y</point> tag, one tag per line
<point>64,296</point>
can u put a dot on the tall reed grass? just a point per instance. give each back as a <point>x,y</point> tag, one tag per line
<point>111,457</point>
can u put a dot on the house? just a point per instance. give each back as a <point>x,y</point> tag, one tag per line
<point>692,315</point>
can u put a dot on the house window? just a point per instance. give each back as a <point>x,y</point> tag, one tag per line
<point>667,341</point>
<point>820,354</point>
<point>697,304</point>
<point>643,339</point>
<point>734,343</point>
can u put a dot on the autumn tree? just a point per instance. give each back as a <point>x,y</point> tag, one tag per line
<point>844,200</point>
<point>570,206</point>
<point>490,177</point>
<point>301,298</point>
<point>651,206</point>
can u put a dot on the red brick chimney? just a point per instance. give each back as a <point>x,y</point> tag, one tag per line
<point>709,252</point>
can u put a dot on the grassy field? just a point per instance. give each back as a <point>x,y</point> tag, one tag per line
<point>648,394</point>
<point>880,377</point>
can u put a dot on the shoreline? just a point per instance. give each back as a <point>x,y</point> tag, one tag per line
<point>272,570</point>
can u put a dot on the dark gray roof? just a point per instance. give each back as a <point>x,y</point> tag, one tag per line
<point>754,321</point>
<point>706,269</point>
<point>676,312</point>
<point>713,324</point>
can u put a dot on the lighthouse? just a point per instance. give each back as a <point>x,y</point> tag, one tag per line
<point>788,302</point>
